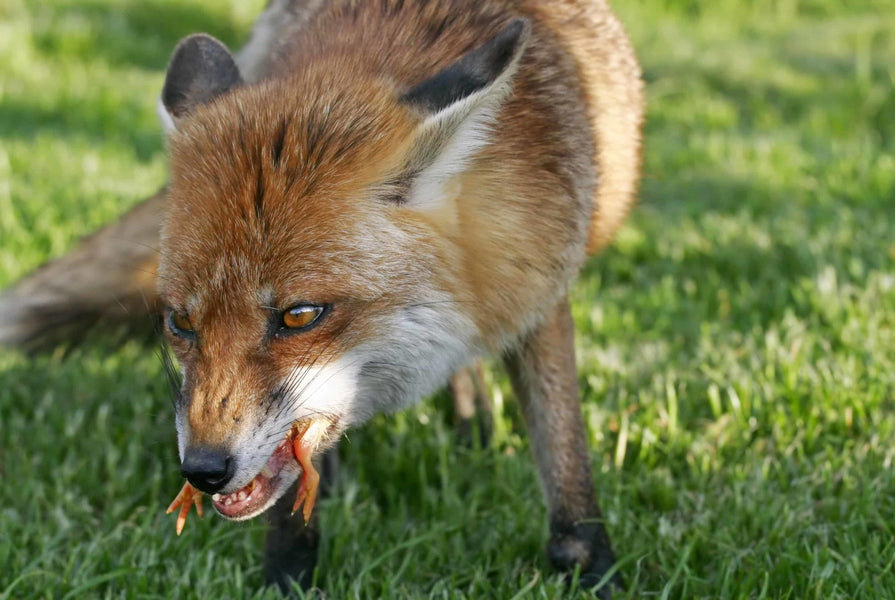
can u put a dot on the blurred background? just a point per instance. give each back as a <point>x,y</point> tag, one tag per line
<point>736,345</point>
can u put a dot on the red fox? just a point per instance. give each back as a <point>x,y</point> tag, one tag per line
<point>369,197</point>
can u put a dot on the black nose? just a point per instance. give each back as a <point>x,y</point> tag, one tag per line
<point>208,469</point>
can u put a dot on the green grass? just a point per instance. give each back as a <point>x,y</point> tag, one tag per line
<point>736,346</point>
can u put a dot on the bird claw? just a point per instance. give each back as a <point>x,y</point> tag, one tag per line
<point>186,498</point>
<point>310,478</point>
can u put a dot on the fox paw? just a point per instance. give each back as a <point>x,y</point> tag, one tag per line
<point>586,547</point>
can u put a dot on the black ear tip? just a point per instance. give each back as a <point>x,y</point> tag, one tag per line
<point>514,34</point>
<point>509,40</point>
<point>197,41</point>
<point>518,29</point>
<point>475,71</point>
<point>202,50</point>
<point>198,45</point>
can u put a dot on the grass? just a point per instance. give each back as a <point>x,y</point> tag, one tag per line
<point>736,345</point>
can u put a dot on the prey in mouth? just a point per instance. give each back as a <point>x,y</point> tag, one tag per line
<point>292,454</point>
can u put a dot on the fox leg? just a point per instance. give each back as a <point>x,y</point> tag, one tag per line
<point>290,550</point>
<point>542,370</point>
<point>472,404</point>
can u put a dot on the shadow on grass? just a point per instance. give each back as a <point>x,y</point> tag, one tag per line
<point>141,34</point>
<point>825,96</point>
<point>73,118</point>
<point>758,275</point>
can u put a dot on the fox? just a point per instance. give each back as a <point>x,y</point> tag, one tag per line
<point>364,202</point>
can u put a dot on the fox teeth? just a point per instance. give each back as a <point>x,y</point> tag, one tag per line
<point>216,497</point>
<point>240,496</point>
<point>228,501</point>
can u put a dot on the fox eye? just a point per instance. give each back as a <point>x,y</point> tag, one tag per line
<point>301,317</point>
<point>180,325</point>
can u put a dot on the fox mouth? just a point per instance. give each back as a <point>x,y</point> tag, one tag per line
<point>280,472</point>
<point>275,479</point>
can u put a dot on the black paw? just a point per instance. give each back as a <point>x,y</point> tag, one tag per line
<point>585,546</point>
<point>290,558</point>
<point>285,575</point>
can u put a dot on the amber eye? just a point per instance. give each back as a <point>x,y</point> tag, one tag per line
<point>302,316</point>
<point>180,324</point>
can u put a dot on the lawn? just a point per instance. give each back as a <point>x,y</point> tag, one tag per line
<point>736,345</point>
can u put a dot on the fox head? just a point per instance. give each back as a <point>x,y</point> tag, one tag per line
<point>309,261</point>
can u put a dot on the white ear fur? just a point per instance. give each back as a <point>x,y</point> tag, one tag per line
<point>462,129</point>
<point>456,134</point>
<point>168,125</point>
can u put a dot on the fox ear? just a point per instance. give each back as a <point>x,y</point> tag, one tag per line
<point>472,74</point>
<point>201,69</point>
<point>459,104</point>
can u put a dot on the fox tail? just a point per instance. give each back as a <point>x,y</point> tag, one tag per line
<point>109,279</point>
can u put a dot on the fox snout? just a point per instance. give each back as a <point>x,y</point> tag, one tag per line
<point>208,469</point>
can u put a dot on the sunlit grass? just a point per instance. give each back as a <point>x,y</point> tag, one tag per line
<point>736,345</point>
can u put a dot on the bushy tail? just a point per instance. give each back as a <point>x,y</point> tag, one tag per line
<point>108,280</point>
